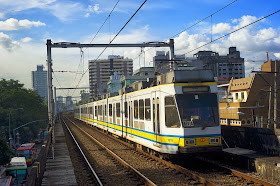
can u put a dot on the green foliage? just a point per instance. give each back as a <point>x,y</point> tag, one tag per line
<point>5,152</point>
<point>13,96</point>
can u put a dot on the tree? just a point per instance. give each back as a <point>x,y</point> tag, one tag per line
<point>5,152</point>
<point>12,96</point>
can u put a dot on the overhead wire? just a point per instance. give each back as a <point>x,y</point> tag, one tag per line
<point>104,23</point>
<point>231,32</point>
<point>112,41</point>
<point>96,35</point>
<point>210,16</point>
<point>59,84</point>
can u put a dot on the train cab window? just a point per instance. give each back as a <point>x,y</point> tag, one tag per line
<point>200,112</point>
<point>125,110</point>
<point>136,109</point>
<point>118,109</point>
<point>110,109</point>
<point>141,109</point>
<point>148,109</point>
<point>171,114</point>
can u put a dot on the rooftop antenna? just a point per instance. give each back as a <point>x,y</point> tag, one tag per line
<point>267,57</point>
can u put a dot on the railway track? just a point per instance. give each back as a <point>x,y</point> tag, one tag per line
<point>251,179</point>
<point>90,178</point>
<point>156,171</point>
<point>111,169</point>
<point>214,176</point>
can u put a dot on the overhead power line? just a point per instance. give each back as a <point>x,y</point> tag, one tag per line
<point>112,40</point>
<point>82,52</point>
<point>204,18</point>
<point>231,32</point>
<point>59,83</point>
<point>104,22</point>
<point>196,23</point>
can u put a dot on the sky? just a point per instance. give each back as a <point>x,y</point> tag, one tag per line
<point>26,25</point>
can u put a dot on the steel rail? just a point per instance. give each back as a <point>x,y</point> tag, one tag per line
<point>81,151</point>
<point>133,170</point>
<point>169,164</point>
<point>240,174</point>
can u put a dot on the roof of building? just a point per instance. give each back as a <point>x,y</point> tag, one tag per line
<point>240,84</point>
<point>26,146</point>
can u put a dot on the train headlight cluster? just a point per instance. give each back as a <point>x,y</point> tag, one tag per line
<point>190,141</point>
<point>214,140</point>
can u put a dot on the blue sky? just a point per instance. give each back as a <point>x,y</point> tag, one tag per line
<point>26,25</point>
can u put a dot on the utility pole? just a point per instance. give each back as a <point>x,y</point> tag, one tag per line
<point>50,91</point>
<point>269,107</point>
<point>275,96</point>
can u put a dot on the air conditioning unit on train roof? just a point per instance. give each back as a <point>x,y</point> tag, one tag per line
<point>182,76</point>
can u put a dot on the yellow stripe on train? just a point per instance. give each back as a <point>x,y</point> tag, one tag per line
<point>183,142</point>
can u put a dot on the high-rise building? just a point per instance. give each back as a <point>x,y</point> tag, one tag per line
<point>101,70</point>
<point>228,66</point>
<point>39,82</point>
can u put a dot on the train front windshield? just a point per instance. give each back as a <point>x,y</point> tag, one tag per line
<point>199,110</point>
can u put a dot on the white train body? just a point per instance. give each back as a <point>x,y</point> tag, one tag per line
<point>172,118</point>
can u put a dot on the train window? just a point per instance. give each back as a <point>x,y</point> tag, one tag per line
<point>136,109</point>
<point>105,109</point>
<point>110,109</point>
<point>148,109</point>
<point>90,110</point>
<point>171,113</point>
<point>118,105</point>
<point>202,112</point>
<point>125,110</point>
<point>141,109</point>
<point>114,113</point>
<point>95,110</point>
<point>100,110</point>
<point>158,113</point>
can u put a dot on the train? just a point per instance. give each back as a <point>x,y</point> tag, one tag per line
<point>176,113</point>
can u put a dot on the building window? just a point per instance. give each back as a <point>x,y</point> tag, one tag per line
<point>236,95</point>
<point>242,95</point>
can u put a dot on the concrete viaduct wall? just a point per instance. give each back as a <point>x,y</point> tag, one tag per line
<point>266,141</point>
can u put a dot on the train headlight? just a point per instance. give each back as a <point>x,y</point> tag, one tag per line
<point>190,142</point>
<point>214,140</point>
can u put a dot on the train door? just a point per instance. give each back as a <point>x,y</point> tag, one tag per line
<point>156,113</point>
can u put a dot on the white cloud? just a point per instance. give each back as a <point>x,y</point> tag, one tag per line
<point>26,39</point>
<point>221,28</point>
<point>63,10</point>
<point>87,15</point>
<point>14,24</point>
<point>277,55</point>
<point>7,43</point>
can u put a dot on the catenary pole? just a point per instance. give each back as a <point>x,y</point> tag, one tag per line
<point>50,91</point>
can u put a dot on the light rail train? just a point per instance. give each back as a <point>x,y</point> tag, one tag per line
<point>179,114</point>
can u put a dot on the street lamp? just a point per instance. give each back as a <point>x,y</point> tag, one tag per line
<point>14,130</point>
<point>10,137</point>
